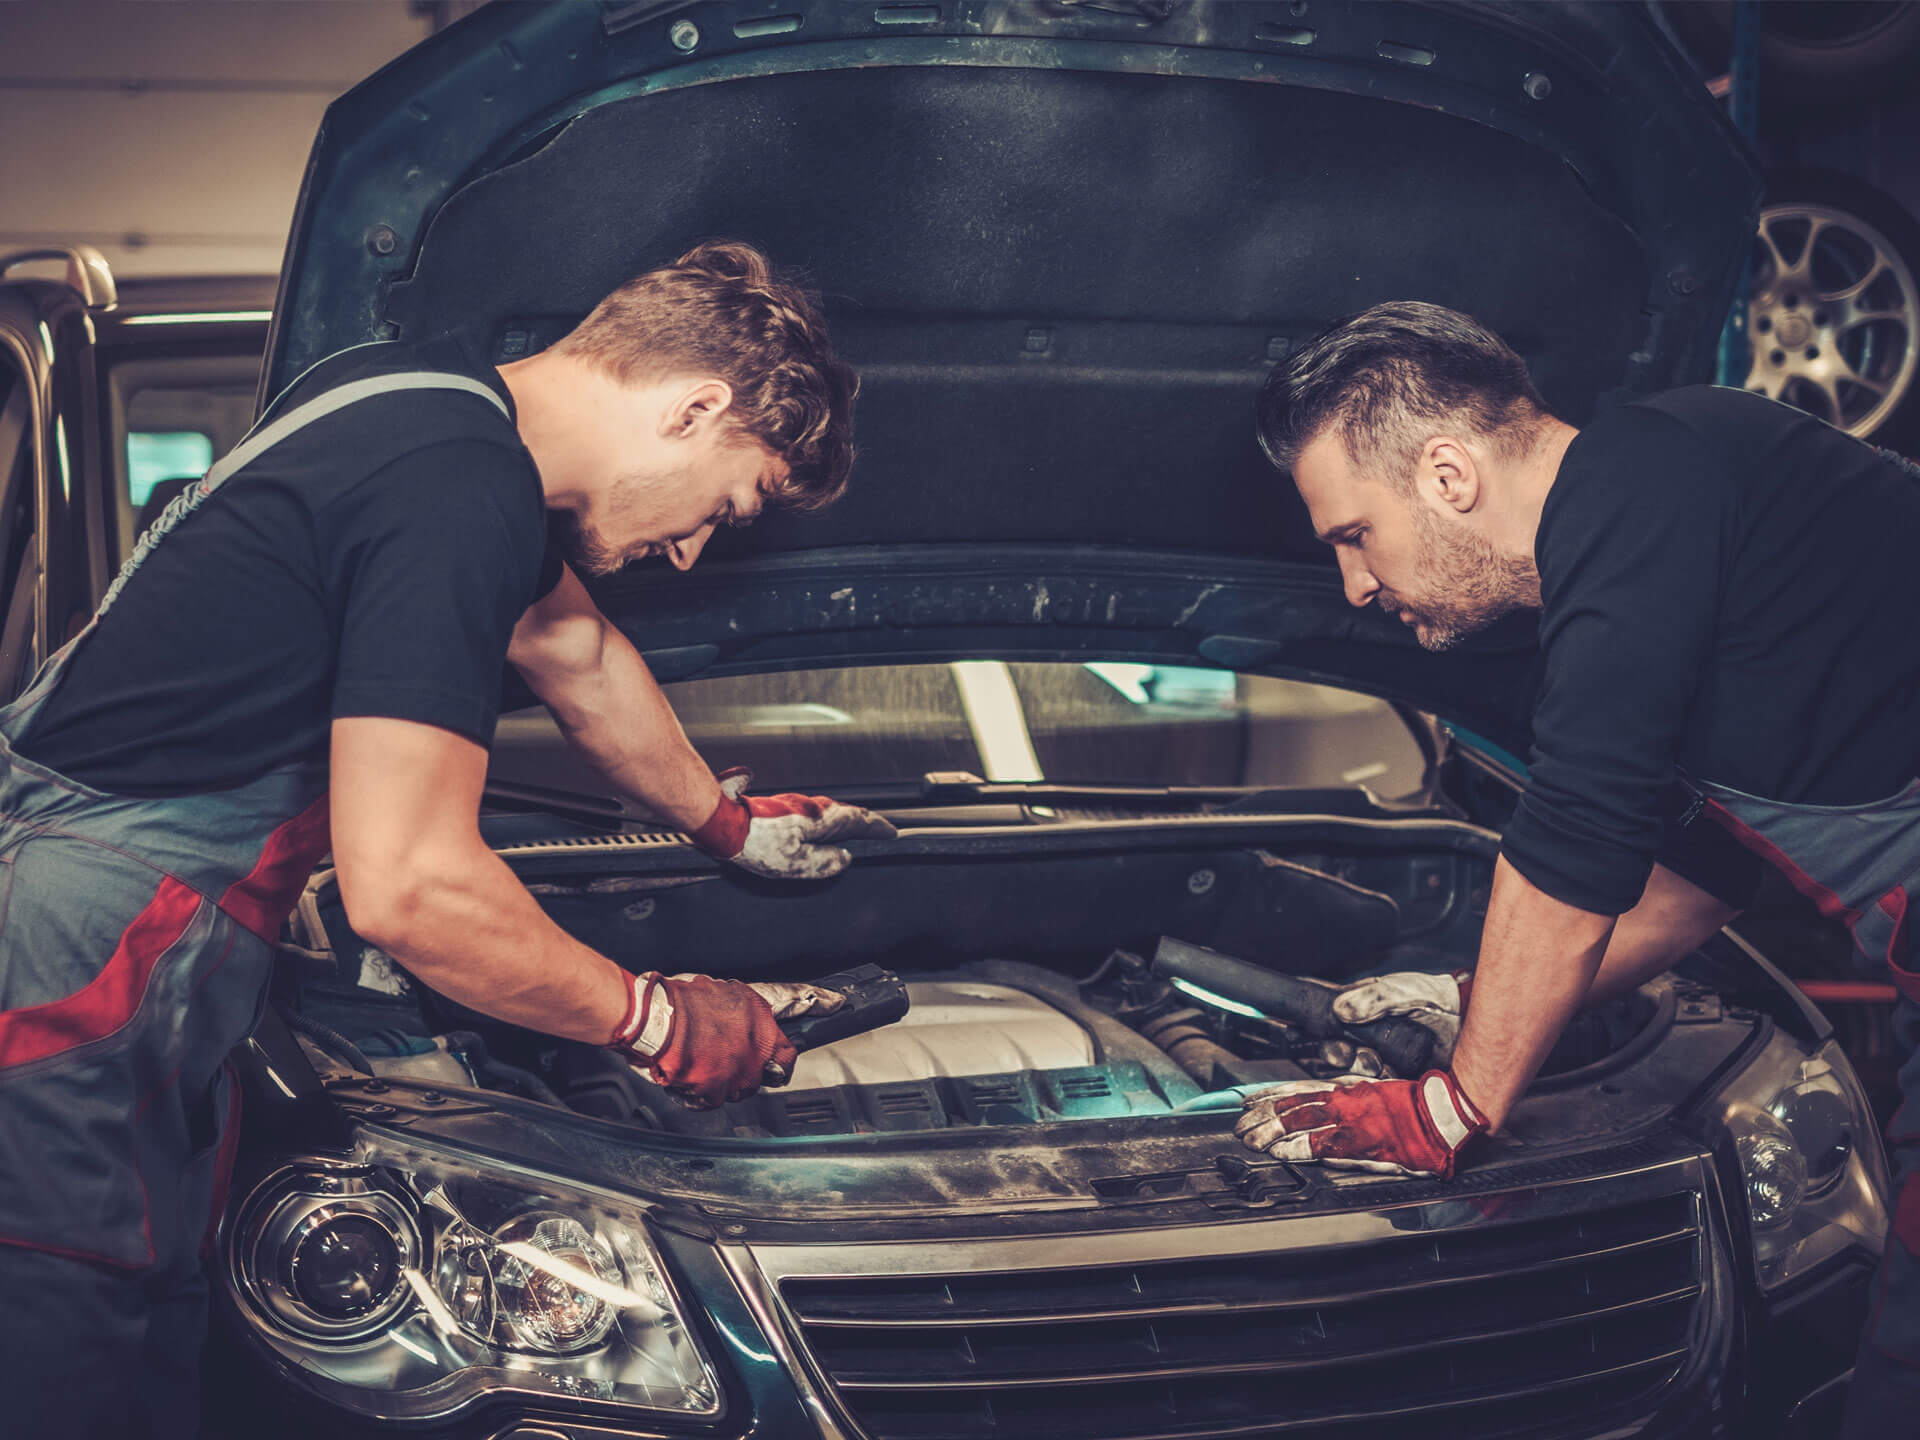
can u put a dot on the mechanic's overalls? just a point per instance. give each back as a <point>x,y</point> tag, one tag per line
<point>136,939</point>
<point>1860,864</point>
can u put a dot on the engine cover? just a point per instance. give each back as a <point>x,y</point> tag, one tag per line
<point>955,1027</point>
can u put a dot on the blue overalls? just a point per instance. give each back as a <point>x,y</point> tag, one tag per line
<point>1860,864</point>
<point>136,941</point>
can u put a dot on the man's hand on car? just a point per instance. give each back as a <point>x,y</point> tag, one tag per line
<point>784,837</point>
<point>1392,1127</point>
<point>710,1041</point>
<point>1434,1001</point>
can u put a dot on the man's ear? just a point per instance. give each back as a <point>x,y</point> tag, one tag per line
<point>702,403</point>
<point>1450,470</point>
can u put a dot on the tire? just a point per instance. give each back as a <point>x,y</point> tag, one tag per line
<point>1833,308</point>
<point>1814,54</point>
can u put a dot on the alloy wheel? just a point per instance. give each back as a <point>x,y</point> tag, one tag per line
<point>1834,317</point>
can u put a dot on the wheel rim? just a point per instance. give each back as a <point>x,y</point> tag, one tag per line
<point>1833,319</point>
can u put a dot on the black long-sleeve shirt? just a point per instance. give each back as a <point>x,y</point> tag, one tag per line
<point>1729,587</point>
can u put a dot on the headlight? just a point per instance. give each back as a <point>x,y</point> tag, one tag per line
<point>1813,1172</point>
<point>412,1283</point>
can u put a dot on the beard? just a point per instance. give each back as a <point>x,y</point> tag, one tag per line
<point>630,505</point>
<point>1478,583</point>
<point>586,550</point>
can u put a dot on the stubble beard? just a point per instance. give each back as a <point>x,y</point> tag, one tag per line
<point>585,548</point>
<point>1472,582</point>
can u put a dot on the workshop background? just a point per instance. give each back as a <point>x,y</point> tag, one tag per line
<point>172,134</point>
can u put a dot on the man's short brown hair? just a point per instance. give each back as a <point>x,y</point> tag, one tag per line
<point>720,310</point>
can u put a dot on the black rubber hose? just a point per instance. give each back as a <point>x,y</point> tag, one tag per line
<point>330,1040</point>
<point>521,1082</point>
<point>1406,1045</point>
<point>508,1077</point>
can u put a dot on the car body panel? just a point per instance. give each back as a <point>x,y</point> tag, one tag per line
<point>1064,247</point>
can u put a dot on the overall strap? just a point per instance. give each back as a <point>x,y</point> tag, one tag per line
<point>265,436</point>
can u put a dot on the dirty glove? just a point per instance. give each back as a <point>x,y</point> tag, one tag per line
<point>1392,1127</point>
<point>789,1000</point>
<point>1433,1001</point>
<point>784,837</point>
<point>708,1041</point>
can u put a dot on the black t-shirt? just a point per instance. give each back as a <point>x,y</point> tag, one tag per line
<point>1728,586</point>
<point>374,563</point>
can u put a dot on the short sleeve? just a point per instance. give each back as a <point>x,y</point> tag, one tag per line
<point>1629,552</point>
<point>428,565</point>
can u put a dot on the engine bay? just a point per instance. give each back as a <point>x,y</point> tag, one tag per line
<point>1039,988</point>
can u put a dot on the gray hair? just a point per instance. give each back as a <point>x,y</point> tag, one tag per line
<point>1390,378</point>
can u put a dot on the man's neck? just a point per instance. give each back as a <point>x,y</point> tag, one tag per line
<point>1534,474</point>
<point>531,383</point>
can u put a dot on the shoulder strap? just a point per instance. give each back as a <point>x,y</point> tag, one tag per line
<point>265,437</point>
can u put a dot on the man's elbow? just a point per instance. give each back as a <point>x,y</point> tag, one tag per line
<point>383,909</point>
<point>563,655</point>
<point>396,905</point>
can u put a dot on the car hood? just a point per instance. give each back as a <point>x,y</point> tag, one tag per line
<point>1063,243</point>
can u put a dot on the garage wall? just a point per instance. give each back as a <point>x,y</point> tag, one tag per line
<point>173,134</point>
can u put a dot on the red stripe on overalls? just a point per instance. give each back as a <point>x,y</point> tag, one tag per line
<point>1828,903</point>
<point>110,999</point>
<point>266,895</point>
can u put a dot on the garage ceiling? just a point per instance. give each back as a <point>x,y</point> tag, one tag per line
<point>172,134</point>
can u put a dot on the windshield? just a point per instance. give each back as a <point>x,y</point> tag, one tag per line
<point>1099,723</point>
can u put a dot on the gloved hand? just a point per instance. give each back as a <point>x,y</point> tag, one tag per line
<point>1434,1001</point>
<point>784,837</point>
<point>1392,1127</point>
<point>710,1041</point>
<point>789,1000</point>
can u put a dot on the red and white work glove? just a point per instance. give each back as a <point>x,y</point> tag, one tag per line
<point>1435,1001</point>
<point>710,1041</point>
<point>784,837</point>
<point>1391,1127</point>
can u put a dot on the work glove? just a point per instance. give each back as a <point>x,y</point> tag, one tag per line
<point>710,1041</point>
<point>784,837</point>
<point>1434,1001</point>
<point>1390,1127</point>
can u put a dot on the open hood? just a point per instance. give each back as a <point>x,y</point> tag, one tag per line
<point>1063,243</point>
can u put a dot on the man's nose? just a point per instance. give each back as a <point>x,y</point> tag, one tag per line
<point>1357,580</point>
<point>682,553</point>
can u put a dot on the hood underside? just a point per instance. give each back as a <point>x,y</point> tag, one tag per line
<point>1063,246</point>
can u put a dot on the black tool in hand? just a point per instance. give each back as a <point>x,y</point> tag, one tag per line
<point>875,997</point>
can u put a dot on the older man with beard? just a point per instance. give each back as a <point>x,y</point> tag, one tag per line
<point>1726,589</point>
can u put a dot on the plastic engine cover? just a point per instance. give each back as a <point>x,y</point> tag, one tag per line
<point>953,1028</point>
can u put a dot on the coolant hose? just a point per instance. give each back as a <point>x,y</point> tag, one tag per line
<point>330,1040</point>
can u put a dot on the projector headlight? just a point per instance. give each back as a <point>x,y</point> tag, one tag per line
<point>1812,1171</point>
<point>414,1282</point>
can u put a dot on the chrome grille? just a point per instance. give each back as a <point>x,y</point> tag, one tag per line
<point>1484,1324</point>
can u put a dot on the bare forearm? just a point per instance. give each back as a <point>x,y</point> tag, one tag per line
<point>619,719</point>
<point>465,926</point>
<point>1673,918</point>
<point>1538,959</point>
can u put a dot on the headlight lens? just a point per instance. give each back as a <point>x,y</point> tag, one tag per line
<point>1815,1177</point>
<point>412,1283</point>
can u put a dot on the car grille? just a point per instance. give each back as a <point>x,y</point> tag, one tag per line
<point>1449,1319</point>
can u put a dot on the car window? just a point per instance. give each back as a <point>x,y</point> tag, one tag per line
<point>173,419</point>
<point>18,571</point>
<point>1097,723</point>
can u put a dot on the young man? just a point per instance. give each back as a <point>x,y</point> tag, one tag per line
<point>1726,589</point>
<point>310,643</point>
